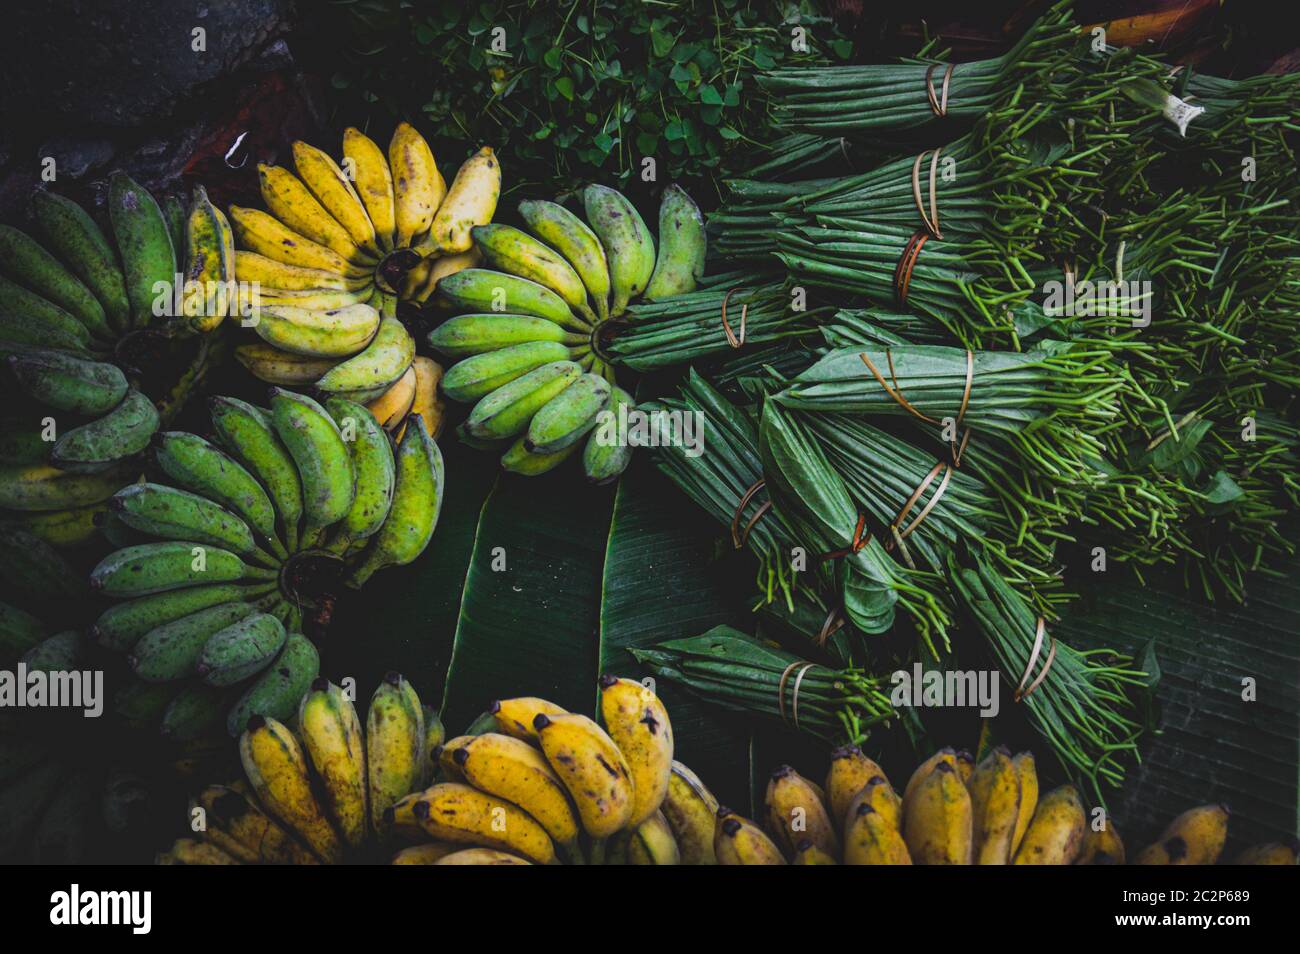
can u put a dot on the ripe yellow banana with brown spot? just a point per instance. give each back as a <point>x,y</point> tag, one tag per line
<point>1195,837</point>
<point>738,841</point>
<point>937,819</point>
<point>426,854</point>
<point>394,745</point>
<point>269,237</point>
<point>795,812</point>
<point>428,402</point>
<point>422,280</point>
<point>652,843</point>
<point>1056,831</point>
<point>277,769</point>
<point>516,716</point>
<point>1027,772</point>
<point>880,795</point>
<point>418,186</point>
<point>638,723</point>
<point>995,807</point>
<point>471,200</point>
<point>242,830</point>
<point>965,765</point>
<point>592,768</point>
<point>923,770</point>
<point>365,164</point>
<point>393,405</point>
<point>849,774</point>
<point>293,204</point>
<point>807,853</point>
<point>870,838</point>
<point>481,856</point>
<point>1269,853</point>
<point>462,814</point>
<point>331,734</point>
<point>250,267</point>
<point>275,366</point>
<point>334,191</point>
<point>691,811</point>
<point>1101,846</point>
<point>337,333</point>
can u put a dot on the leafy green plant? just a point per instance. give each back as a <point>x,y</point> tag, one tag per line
<point>580,91</point>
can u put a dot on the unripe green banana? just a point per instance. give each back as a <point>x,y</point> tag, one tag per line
<point>25,261</point>
<point>121,627</point>
<point>17,304</point>
<point>376,470</point>
<point>21,443</point>
<point>68,383</point>
<point>564,420</point>
<point>194,712</point>
<point>276,693</point>
<point>573,238</point>
<point>417,501</point>
<point>482,374</point>
<point>19,632</point>
<point>158,567</point>
<point>144,243</point>
<point>177,218</point>
<point>19,331</point>
<point>628,244</point>
<point>518,459</point>
<point>204,469</point>
<point>337,333</point>
<point>478,333</point>
<point>173,514</point>
<point>682,246</point>
<point>74,237</point>
<point>317,448</point>
<point>485,290</point>
<point>369,374</point>
<point>247,433</point>
<point>172,650</point>
<point>511,250</point>
<point>57,653</point>
<point>122,432</point>
<point>606,456</point>
<point>242,649</point>
<point>142,703</point>
<point>42,488</point>
<point>507,410</point>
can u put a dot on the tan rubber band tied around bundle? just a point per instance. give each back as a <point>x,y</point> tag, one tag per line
<point>900,535</point>
<point>860,540</point>
<point>738,537</point>
<point>907,263</point>
<point>780,689</point>
<point>895,392</point>
<point>833,623</point>
<point>732,338</point>
<point>929,220</point>
<point>1041,630</point>
<point>938,103</point>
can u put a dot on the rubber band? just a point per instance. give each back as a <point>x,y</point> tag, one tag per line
<point>780,688</point>
<point>906,264</point>
<point>795,695</point>
<point>931,220</point>
<point>902,534</point>
<point>895,392</point>
<point>732,339</point>
<point>860,540</point>
<point>738,538</point>
<point>1021,692</point>
<point>938,104</point>
<point>833,623</point>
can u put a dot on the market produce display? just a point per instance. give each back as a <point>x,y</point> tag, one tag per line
<point>220,565</point>
<point>83,317</point>
<point>339,245</point>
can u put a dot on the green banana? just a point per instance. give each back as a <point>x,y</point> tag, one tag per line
<point>417,501</point>
<point>57,653</point>
<point>21,443</point>
<point>682,246</point>
<point>467,335</point>
<point>564,419</point>
<point>19,632</point>
<point>511,250</point>
<point>337,333</point>
<point>481,374</point>
<point>507,410</point>
<point>277,692</point>
<point>194,712</point>
<point>177,219</point>
<point>203,469</point>
<point>627,242</point>
<point>376,470</point>
<point>19,331</point>
<point>242,649</point>
<point>121,626</point>
<point>173,514</point>
<point>73,235</point>
<point>142,703</point>
<point>605,456</point>
<point>317,448</point>
<point>145,245</point>
<point>573,238</point>
<point>27,262</point>
<point>370,373</point>
<point>122,432</point>
<point>39,487</point>
<point>250,438</point>
<point>17,302</point>
<point>158,567</point>
<point>172,650</point>
<point>34,568</point>
<point>68,383</point>
<point>520,460</point>
<point>485,290</point>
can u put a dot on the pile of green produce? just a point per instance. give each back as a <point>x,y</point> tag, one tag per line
<point>221,559</point>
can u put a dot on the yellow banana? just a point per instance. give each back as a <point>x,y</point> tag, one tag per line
<point>418,186</point>
<point>365,164</point>
<point>1056,831</point>
<point>428,403</point>
<point>281,367</point>
<point>423,279</point>
<point>807,853</point>
<point>276,768</point>
<point>447,757</point>
<point>872,839</point>
<point>937,819</point>
<point>471,200</point>
<point>293,204</point>
<point>516,716</point>
<point>1027,772</point>
<point>481,856</point>
<point>238,827</point>
<point>738,841</point>
<point>392,406</point>
<point>638,723</point>
<point>652,843</point>
<point>691,811</point>
<point>322,334</point>
<point>250,268</point>
<point>849,774</point>
<point>880,795</point>
<point>1270,853</point>
<point>394,745</point>
<point>1195,837</point>
<point>1101,846</point>
<point>426,854</point>
<point>923,770</point>
<point>459,813</point>
<point>187,851</point>
<point>269,237</point>
<point>995,807</point>
<point>965,766</point>
<point>317,299</point>
<point>331,734</point>
<point>795,811</point>
<point>593,770</point>
<point>514,770</point>
<point>399,818</point>
<point>334,191</point>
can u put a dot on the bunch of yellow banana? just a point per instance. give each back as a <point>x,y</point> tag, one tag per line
<point>531,324</point>
<point>215,564</point>
<point>339,245</point>
<point>76,306</point>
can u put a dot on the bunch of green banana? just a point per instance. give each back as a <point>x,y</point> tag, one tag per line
<point>69,298</point>
<point>210,562</point>
<point>529,335</point>
<point>321,271</point>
